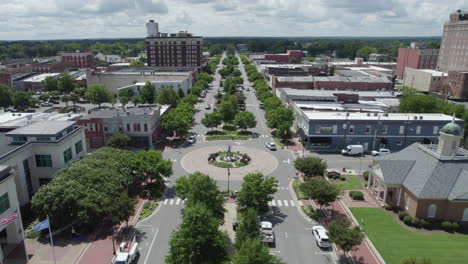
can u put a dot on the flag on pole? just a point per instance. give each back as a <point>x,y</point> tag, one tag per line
<point>9,219</point>
<point>42,225</point>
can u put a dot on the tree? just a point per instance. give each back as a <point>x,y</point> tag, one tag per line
<point>364,52</point>
<point>51,84</point>
<point>245,120</point>
<point>179,119</point>
<point>6,96</point>
<point>66,83</point>
<point>124,100</point>
<point>65,98</point>
<point>280,115</point>
<point>190,99</point>
<point>228,107</point>
<point>126,92</point>
<point>344,236</point>
<point>137,64</point>
<point>198,239</point>
<point>271,103</point>
<point>147,93</point>
<point>249,227</point>
<point>294,60</point>
<point>257,190</point>
<point>180,92</point>
<point>311,166</point>
<point>418,103</point>
<point>199,188</point>
<point>74,98</point>
<point>254,251</point>
<point>212,120</point>
<point>44,97</point>
<point>21,100</point>
<point>150,164</point>
<point>98,94</point>
<point>119,140</point>
<point>283,131</point>
<point>320,190</point>
<point>167,95</point>
<point>136,100</point>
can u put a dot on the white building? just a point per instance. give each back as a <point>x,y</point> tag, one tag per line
<point>109,58</point>
<point>184,84</point>
<point>424,80</point>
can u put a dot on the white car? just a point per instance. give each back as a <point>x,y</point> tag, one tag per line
<point>192,139</point>
<point>321,236</point>
<point>266,229</point>
<point>381,151</point>
<point>207,107</point>
<point>271,145</point>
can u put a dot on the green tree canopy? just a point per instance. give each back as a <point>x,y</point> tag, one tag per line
<point>179,119</point>
<point>190,99</point>
<point>212,120</point>
<point>254,251</point>
<point>147,93</point>
<point>198,239</point>
<point>245,120</point>
<point>257,190</point>
<point>311,166</point>
<point>98,94</point>
<point>119,140</point>
<point>6,96</point>
<point>320,190</point>
<point>66,83</point>
<point>51,84</point>
<point>167,96</point>
<point>21,100</point>
<point>180,92</point>
<point>249,227</point>
<point>150,164</point>
<point>280,115</point>
<point>228,107</point>
<point>344,236</point>
<point>44,97</point>
<point>127,92</point>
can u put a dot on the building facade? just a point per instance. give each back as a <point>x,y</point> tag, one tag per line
<point>333,131</point>
<point>82,60</point>
<point>53,67</point>
<point>284,57</point>
<point>454,44</point>
<point>416,58</point>
<point>172,50</point>
<point>424,80</point>
<point>457,84</point>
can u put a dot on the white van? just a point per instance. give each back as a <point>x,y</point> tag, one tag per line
<point>353,150</point>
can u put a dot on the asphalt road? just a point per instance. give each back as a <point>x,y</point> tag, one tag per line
<point>294,239</point>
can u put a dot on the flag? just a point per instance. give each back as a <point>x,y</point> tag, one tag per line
<point>9,219</point>
<point>42,225</point>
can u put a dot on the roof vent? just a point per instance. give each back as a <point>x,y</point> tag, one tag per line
<point>415,118</point>
<point>375,114</point>
<point>420,117</point>
<point>368,114</point>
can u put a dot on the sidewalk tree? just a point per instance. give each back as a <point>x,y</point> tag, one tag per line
<point>51,84</point>
<point>179,119</point>
<point>150,164</point>
<point>253,251</point>
<point>199,188</point>
<point>311,166</point>
<point>283,132</point>
<point>66,83</point>
<point>249,227</point>
<point>228,107</point>
<point>167,96</point>
<point>119,140</point>
<point>245,120</point>
<point>127,92</point>
<point>198,238</point>
<point>180,92</point>
<point>42,97</point>
<point>6,96</point>
<point>124,100</point>
<point>271,103</point>
<point>320,190</point>
<point>257,190</point>
<point>65,98</point>
<point>98,94</point>
<point>212,120</point>
<point>74,98</point>
<point>342,235</point>
<point>205,76</point>
<point>279,116</point>
<point>147,93</point>
<point>21,100</point>
<point>190,99</point>
<point>136,100</point>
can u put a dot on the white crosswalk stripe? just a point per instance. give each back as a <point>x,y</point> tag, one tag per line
<point>282,203</point>
<point>171,202</point>
<point>286,203</point>
<point>292,203</point>
<point>279,203</point>
<point>165,201</point>
<point>178,201</point>
<point>273,203</point>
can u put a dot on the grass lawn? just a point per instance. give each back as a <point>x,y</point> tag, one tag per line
<point>212,138</point>
<point>352,183</point>
<point>396,243</point>
<point>279,143</point>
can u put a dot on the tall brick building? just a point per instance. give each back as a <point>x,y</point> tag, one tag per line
<point>417,58</point>
<point>172,50</point>
<point>83,59</point>
<point>454,45</point>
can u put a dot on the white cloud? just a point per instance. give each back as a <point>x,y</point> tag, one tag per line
<point>45,19</point>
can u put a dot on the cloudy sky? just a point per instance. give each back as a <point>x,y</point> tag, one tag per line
<point>65,19</point>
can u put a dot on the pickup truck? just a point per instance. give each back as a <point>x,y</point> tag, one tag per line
<point>127,253</point>
<point>266,230</point>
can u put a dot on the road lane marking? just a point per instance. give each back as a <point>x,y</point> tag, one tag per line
<point>151,246</point>
<point>286,234</point>
<point>178,201</point>
<point>273,203</point>
<point>165,201</point>
<point>269,203</point>
<point>292,203</point>
<point>171,202</point>
<point>279,203</point>
<point>286,203</point>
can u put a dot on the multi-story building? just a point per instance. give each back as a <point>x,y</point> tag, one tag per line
<point>332,131</point>
<point>175,85</point>
<point>454,45</point>
<point>284,57</point>
<point>142,124</point>
<point>37,150</point>
<point>416,58</point>
<point>172,50</point>
<point>36,82</point>
<point>458,84</point>
<point>79,59</point>
<point>377,57</point>
<point>53,67</point>
<point>424,80</point>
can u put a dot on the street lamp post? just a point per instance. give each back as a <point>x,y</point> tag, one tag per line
<point>228,174</point>
<point>113,241</point>
<point>345,127</point>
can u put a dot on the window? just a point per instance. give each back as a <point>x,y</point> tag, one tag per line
<point>128,127</point>
<point>145,126</point>
<point>43,161</point>
<point>136,127</point>
<point>335,129</point>
<point>351,129</point>
<point>43,138</point>
<point>317,129</point>
<point>78,147</point>
<point>431,211</point>
<point>402,130</point>
<point>27,174</point>
<point>407,202</point>
<point>4,203</point>
<point>67,155</point>
<point>418,130</point>
<point>384,129</point>
<point>19,139</point>
<point>465,215</point>
<point>368,129</point>
<point>435,130</point>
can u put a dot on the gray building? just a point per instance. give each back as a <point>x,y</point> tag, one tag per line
<point>332,131</point>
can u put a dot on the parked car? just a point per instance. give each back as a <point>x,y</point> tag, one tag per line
<point>353,150</point>
<point>45,104</point>
<point>215,108</point>
<point>271,145</point>
<point>321,236</point>
<point>248,89</point>
<point>242,107</point>
<point>266,229</point>
<point>207,107</point>
<point>381,151</point>
<point>192,139</point>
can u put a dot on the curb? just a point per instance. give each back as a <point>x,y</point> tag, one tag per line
<point>298,206</point>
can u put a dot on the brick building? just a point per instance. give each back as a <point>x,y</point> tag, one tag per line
<point>458,84</point>
<point>454,45</point>
<point>52,67</point>
<point>5,78</point>
<point>83,59</point>
<point>172,50</point>
<point>416,58</point>
<point>284,57</point>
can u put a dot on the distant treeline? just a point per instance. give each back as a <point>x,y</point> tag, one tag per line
<point>345,47</point>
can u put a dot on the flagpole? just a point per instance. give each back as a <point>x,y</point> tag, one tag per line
<point>22,232</point>
<point>51,240</point>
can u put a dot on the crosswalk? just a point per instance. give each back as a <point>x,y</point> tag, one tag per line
<point>281,203</point>
<point>173,201</point>
<point>263,135</point>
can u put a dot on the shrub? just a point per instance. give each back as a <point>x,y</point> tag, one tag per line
<point>388,207</point>
<point>402,215</point>
<point>366,175</point>
<point>407,220</point>
<point>343,178</point>
<point>425,224</point>
<point>447,226</point>
<point>456,227</point>
<point>416,222</point>
<point>356,195</point>
<point>311,212</point>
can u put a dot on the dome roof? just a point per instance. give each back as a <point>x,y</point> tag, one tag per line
<point>452,129</point>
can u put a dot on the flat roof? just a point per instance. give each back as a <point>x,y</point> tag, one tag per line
<point>367,79</point>
<point>363,116</point>
<point>111,113</point>
<point>433,72</point>
<point>40,77</point>
<point>15,120</point>
<point>307,92</point>
<point>308,78</point>
<point>42,128</point>
<point>5,145</point>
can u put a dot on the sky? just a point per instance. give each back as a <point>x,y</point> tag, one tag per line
<point>77,19</point>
